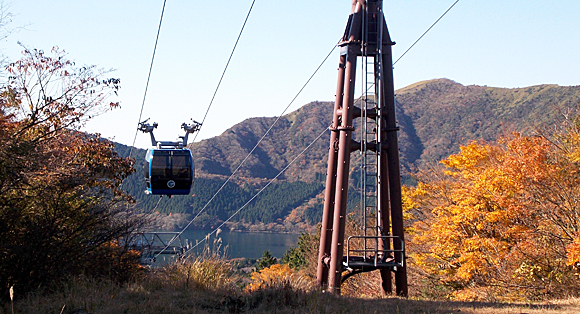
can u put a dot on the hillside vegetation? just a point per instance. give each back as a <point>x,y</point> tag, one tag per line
<point>435,117</point>
<point>496,222</point>
<point>438,116</point>
<point>62,212</point>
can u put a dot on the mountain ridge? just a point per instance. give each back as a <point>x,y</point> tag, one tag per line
<point>435,118</point>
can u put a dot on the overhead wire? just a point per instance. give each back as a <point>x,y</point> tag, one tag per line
<point>277,119</point>
<point>224,72</point>
<point>416,41</point>
<point>151,69</point>
<point>148,77</point>
<point>155,207</point>
<point>255,146</point>
<point>260,191</point>
<point>235,213</point>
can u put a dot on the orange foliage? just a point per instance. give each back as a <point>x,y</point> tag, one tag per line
<point>574,253</point>
<point>501,220</point>
<point>275,276</point>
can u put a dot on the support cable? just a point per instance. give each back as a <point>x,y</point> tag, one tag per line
<point>416,41</point>
<point>261,190</point>
<point>155,207</point>
<point>277,119</point>
<point>255,146</point>
<point>224,72</point>
<point>372,85</point>
<point>148,76</point>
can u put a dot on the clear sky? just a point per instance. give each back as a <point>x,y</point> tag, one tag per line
<point>509,43</point>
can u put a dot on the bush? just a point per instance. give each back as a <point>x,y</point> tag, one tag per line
<point>278,276</point>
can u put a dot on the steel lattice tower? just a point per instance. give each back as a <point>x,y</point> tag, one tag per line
<point>380,244</point>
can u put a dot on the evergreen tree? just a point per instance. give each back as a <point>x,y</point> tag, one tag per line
<point>266,261</point>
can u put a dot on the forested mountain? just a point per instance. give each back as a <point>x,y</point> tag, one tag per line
<point>435,117</point>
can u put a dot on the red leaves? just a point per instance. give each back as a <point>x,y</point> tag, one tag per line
<point>46,98</point>
<point>59,188</point>
<point>56,93</point>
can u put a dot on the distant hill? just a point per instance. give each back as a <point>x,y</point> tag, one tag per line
<point>290,135</point>
<point>435,118</point>
<point>439,115</point>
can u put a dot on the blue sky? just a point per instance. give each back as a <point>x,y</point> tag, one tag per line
<point>496,43</point>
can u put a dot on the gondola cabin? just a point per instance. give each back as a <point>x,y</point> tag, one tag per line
<point>169,166</point>
<point>168,171</point>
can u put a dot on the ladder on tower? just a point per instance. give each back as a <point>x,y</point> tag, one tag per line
<point>380,243</point>
<point>368,138</point>
<point>372,249</point>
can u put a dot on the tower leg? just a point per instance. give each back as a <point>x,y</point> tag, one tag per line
<point>329,193</point>
<point>394,169</point>
<point>386,282</point>
<point>342,171</point>
<point>384,208</point>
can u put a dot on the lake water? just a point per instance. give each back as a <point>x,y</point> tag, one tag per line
<point>244,244</point>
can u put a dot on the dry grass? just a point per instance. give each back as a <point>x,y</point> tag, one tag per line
<point>208,284</point>
<point>161,292</point>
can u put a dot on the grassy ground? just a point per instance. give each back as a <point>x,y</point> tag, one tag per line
<point>211,285</point>
<point>152,296</point>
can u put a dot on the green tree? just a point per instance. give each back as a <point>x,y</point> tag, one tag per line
<point>61,209</point>
<point>297,257</point>
<point>266,261</point>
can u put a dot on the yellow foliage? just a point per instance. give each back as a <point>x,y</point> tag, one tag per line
<point>573,251</point>
<point>277,275</point>
<point>495,207</point>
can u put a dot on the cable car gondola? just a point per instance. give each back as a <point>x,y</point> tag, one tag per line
<point>169,166</point>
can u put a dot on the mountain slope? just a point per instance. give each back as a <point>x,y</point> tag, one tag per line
<point>445,114</point>
<point>435,117</point>
<point>289,136</point>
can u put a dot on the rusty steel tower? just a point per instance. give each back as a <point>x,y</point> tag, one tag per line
<point>380,243</point>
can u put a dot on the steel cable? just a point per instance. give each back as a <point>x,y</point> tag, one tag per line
<point>416,41</point>
<point>260,191</point>
<point>277,119</point>
<point>224,72</point>
<point>269,129</point>
<point>255,146</point>
<point>148,77</point>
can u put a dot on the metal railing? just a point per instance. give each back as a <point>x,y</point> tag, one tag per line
<point>373,255</point>
<point>152,244</point>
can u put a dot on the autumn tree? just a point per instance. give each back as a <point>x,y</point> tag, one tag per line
<point>5,30</point>
<point>501,220</point>
<point>61,209</point>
